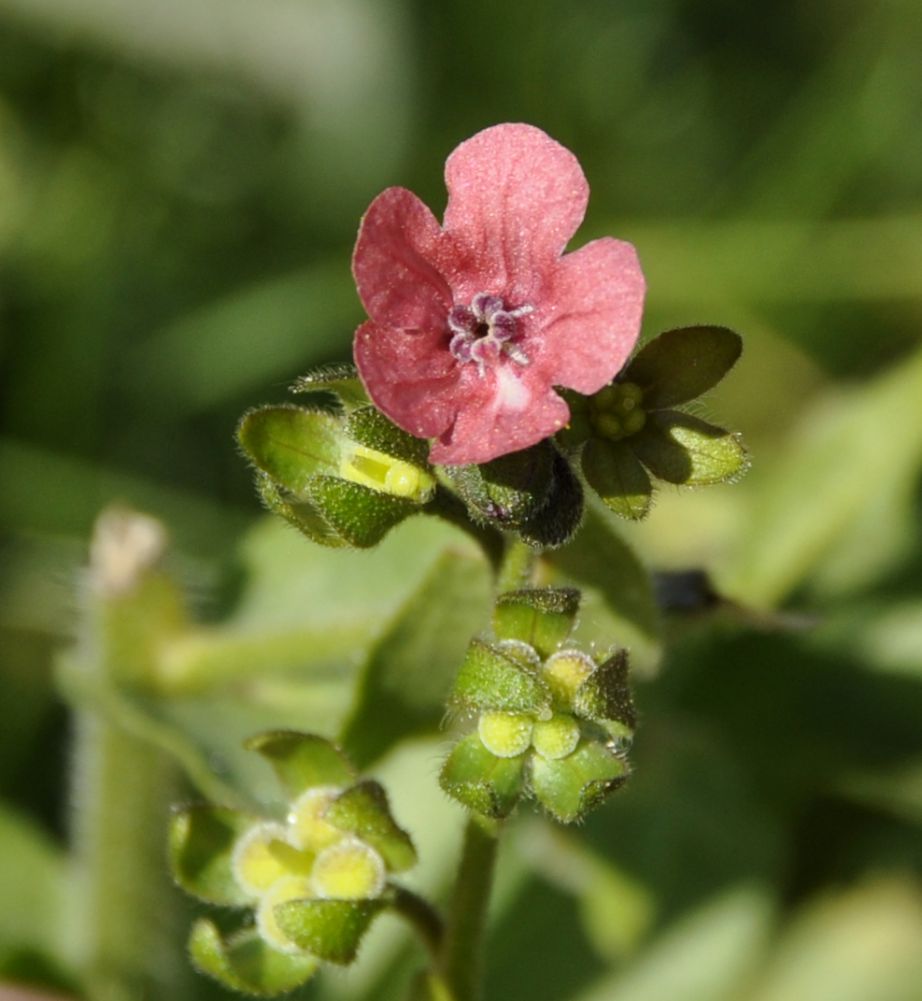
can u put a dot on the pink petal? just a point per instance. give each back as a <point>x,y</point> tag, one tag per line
<point>410,376</point>
<point>502,412</point>
<point>595,301</point>
<point>515,198</point>
<point>395,263</point>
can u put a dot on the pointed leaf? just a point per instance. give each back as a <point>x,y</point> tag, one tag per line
<point>682,449</point>
<point>562,513</point>
<point>480,780</point>
<point>368,426</point>
<point>201,843</point>
<point>291,445</point>
<point>540,617</point>
<point>605,694</point>
<point>363,810</point>
<point>330,929</point>
<point>302,760</point>
<point>360,515</point>
<point>409,670</point>
<point>246,963</point>
<point>492,678</point>
<point>680,365</point>
<point>342,381</point>
<point>617,476</point>
<point>569,787</point>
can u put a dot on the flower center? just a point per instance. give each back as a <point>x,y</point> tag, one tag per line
<point>486,330</point>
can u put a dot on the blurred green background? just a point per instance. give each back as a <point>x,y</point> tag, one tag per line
<point>180,185</point>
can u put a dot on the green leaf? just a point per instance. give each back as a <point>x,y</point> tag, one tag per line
<point>246,963</point>
<point>540,617</point>
<point>605,694</point>
<point>494,678</point>
<point>408,672</point>
<point>618,598</point>
<point>302,760</point>
<point>363,810</point>
<point>330,929</point>
<point>359,515</point>
<point>369,427</point>
<point>302,515</point>
<point>618,477</point>
<point>680,365</point>
<point>292,445</point>
<point>569,787</point>
<point>201,844</point>
<point>684,450</point>
<point>559,518</point>
<point>480,780</point>
<point>342,381</point>
<point>34,888</point>
<point>508,490</point>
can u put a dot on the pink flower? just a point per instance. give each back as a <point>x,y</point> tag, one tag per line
<point>473,324</point>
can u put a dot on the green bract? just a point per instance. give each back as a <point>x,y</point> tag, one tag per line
<point>628,431</point>
<point>313,881</point>
<point>550,721</point>
<point>342,477</point>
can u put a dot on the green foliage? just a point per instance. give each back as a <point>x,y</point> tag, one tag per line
<point>201,844</point>
<point>246,963</point>
<point>541,617</point>
<point>302,760</point>
<point>330,929</point>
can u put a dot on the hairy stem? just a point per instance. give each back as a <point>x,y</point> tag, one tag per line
<point>517,565</point>
<point>462,952</point>
<point>422,917</point>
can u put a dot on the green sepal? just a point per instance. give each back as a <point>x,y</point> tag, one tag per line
<point>507,491</point>
<point>491,678</point>
<point>246,963</point>
<point>369,427</point>
<point>363,810</point>
<point>540,617</point>
<point>292,445</point>
<point>302,515</point>
<point>201,845</point>
<point>616,474</point>
<point>302,760</point>
<point>561,514</point>
<point>680,365</point>
<point>359,515</point>
<point>605,694</point>
<point>341,381</point>
<point>569,787</point>
<point>685,450</point>
<point>329,929</point>
<point>480,780</point>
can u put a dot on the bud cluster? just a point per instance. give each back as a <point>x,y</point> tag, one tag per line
<point>312,880</point>
<point>549,720</point>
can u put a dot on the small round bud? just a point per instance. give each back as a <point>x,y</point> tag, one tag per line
<point>564,672</point>
<point>556,737</point>
<point>634,421</point>
<point>305,816</point>
<point>505,734</point>
<point>257,862</point>
<point>605,398</point>
<point>348,870</point>
<point>630,396</point>
<point>608,426</point>
<point>285,889</point>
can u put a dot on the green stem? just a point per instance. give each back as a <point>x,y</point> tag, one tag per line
<point>517,565</point>
<point>462,951</point>
<point>447,507</point>
<point>121,791</point>
<point>422,917</point>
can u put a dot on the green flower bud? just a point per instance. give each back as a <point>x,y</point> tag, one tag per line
<point>564,672</point>
<point>257,862</point>
<point>282,890</point>
<point>307,822</point>
<point>506,735</point>
<point>557,737</point>
<point>348,870</point>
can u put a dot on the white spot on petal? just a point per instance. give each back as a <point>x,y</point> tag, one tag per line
<point>511,393</point>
